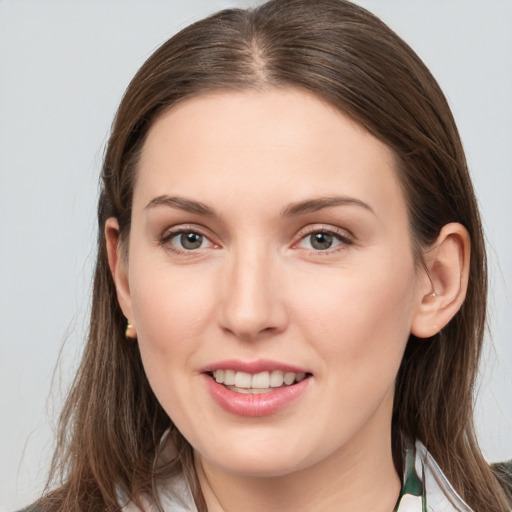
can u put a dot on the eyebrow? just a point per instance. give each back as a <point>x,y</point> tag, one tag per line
<point>181,203</point>
<point>294,209</point>
<point>314,205</point>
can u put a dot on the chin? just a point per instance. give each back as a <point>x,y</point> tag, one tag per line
<point>260,460</point>
<point>268,467</point>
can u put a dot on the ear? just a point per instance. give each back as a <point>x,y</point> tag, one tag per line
<point>119,268</point>
<point>444,286</point>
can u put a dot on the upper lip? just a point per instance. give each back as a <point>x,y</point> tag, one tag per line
<point>253,367</point>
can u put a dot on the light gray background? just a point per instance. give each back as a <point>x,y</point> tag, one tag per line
<point>63,68</point>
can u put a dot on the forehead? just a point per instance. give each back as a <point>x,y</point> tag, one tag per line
<point>280,140</point>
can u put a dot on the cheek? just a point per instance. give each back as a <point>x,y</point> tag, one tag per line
<point>358,325</point>
<point>171,309</point>
<point>359,315</point>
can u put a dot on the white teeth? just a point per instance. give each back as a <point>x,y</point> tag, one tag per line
<point>289,378</point>
<point>229,377</point>
<point>243,380</point>
<point>276,379</point>
<point>262,380</point>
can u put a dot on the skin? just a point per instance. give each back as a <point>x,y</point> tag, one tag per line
<point>256,288</point>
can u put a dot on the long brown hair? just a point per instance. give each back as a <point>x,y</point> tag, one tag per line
<point>112,423</point>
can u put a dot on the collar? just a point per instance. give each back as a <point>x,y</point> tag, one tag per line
<point>425,487</point>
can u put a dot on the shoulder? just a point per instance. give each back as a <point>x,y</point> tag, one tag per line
<point>504,471</point>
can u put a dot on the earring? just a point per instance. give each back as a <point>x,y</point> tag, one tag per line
<point>130,333</point>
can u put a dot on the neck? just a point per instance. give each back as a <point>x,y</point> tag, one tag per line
<point>358,478</point>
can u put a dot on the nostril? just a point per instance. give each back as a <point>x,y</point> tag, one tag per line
<point>249,335</point>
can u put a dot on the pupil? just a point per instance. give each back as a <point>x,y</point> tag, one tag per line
<point>191,240</point>
<point>321,241</point>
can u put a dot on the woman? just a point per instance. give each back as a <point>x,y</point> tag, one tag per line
<point>289,297</point>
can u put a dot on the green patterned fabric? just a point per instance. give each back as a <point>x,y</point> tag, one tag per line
<point>413,490</point>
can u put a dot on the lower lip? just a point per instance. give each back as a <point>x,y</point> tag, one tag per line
<point>255,405</point>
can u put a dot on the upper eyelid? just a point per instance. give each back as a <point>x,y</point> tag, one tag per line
<point>325,228</point>
<point>185,228</point>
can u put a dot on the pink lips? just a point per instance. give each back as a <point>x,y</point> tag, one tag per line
<point>254,405</point>
<point>261,365</point>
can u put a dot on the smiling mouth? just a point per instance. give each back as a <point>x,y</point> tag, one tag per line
<point>258,383</point>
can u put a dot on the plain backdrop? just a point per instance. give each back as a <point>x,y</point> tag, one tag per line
<point>63,68</point>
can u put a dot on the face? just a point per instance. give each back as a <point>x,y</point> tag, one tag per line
<point>270,279</point>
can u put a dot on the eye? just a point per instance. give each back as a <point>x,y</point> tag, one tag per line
<point>185,240</point>
<point>188,241</point>
<point>322,240</point>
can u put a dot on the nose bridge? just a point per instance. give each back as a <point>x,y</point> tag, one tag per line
<point>252,302</point>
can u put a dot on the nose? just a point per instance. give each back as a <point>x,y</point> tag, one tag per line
<point>252,304</point>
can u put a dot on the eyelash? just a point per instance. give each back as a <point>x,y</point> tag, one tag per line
<point>339,235</point>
